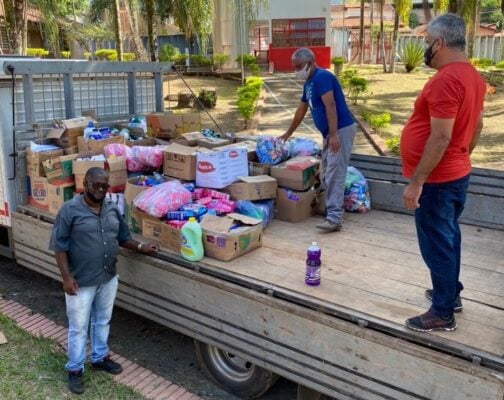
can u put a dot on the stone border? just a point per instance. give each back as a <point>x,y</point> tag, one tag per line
<point>141,380</point>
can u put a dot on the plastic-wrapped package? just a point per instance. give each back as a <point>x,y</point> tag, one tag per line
<point>300,146</point>
<point>160,199</point>
<point>221,206</point>
<point>145,158</point>
<point>357,197</point>
<point>271,151</point>
<point>118,150</point>
<point>264,209</point>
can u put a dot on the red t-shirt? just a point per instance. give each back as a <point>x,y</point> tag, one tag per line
<point>456,91</point>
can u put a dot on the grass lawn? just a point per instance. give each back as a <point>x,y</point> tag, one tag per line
<point>33,368</point>
<point>396,93</point>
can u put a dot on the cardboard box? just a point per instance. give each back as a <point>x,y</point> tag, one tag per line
<point>256,168</point>
<point>292,206</point>
<point>147,141</point>
<point>250,145</point>
<point>251,188</point>
<point>219,169</point>
<point>151,227</point>
<point>71,150</point>
<point>191,122</point>
<point>57,195</point>
<point>34,161</point>
<point>115,167</point>
<point>180,161</point>
<point>212,143</point>
<point>97,146</point>
<point>192,138</point>
<point>298,173</point>
<point>69,131</point>
<point>223,243</point>
<point>171,238</point>
<point>169,125</point>
<point>37,192</point>
<point>59,170</point>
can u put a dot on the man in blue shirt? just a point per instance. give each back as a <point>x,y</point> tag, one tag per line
<point>322,94</point>
<point>85,238</point>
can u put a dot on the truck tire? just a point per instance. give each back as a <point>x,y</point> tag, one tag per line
<point>234,374</point>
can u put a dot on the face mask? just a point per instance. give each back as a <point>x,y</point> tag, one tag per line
<point>429,55</point>
<point>303,73</point>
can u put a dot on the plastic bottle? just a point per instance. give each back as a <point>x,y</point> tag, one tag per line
<point>89,130</point>
<point>192,243</point>
<point>313,263</point>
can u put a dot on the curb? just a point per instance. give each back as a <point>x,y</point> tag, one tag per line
<point>141,380</point>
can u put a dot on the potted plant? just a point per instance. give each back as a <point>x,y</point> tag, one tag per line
<point>337,62</point>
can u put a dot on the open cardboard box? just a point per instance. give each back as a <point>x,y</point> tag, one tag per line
<point>226,238</point>
<point>260,187</point>
<point>298,173</point>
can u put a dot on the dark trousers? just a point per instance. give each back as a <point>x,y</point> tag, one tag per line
<point>439,239</point>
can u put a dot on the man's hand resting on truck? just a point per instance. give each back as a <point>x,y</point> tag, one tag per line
<point>148,248</point>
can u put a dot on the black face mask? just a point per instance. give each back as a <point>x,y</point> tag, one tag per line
<point>429,54</point>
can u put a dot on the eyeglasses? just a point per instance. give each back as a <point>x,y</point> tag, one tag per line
<point>97,186</point>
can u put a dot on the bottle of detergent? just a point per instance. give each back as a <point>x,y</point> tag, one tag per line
<point>313,265</point>
<point>192,243</point>
<point>89,130</point>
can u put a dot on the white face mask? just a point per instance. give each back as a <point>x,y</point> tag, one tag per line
<point>303,73</point>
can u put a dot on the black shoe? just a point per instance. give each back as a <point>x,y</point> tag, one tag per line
<point>75,383</point>
<point>458,301</point>
<point>107,365</point>
<point>428,322</point>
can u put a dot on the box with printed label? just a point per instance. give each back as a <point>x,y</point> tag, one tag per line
<point>250,145</point>
<point>251,188</point>
<point>151,228</point>
<point>226,238</point>
<point>57,195</point>
<point>59,170</point>
<point>192,138</point>
<point>97,146</point>
<point>298,173</point>
<point>68,131</point>
<point>171,237</point>
<point>116,167</point>
<point>256,168</point>
<point>219,169</point>
<point>37,192</point>
<point>292,206</point>
<point>34,161</point>
<point>212,143</point>
<point>180,161</point>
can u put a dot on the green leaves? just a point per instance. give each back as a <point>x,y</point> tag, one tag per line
<point>412,55</point>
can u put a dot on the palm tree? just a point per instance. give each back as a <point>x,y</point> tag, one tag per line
<point>402,12</point>
<point>15,16</point>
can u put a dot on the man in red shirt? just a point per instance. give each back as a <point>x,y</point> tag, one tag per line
<point>436,145</point>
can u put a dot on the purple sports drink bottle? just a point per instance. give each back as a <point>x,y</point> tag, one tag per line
<point>313,263</point>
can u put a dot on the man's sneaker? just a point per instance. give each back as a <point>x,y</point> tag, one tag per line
<point>75,383</point>
<point>429,322</point>
<point>107,365</point>
<point>330,226</point>
<point>458,301</point>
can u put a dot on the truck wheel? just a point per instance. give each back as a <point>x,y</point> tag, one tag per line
<point>233,373</point>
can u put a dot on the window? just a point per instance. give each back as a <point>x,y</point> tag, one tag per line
<point>298,32</point>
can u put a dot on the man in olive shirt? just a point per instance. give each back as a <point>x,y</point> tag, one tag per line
<point>85,238</point>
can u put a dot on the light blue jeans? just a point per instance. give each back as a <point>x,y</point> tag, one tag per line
<point>91,307</point>
<point>334,167</point>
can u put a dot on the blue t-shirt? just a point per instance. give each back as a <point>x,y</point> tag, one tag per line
<point>320,83</point>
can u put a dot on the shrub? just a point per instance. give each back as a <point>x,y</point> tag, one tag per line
<point>412,55</point>
<point>168,53</point>
<point>65,54</point>
<point>482,62</point>
<point>248,60</point>
<point>337,60</point>
<point>35,52</point>
<point>345,77</point>
<point>393,144</point>
<point>356,87</point>
<point>500,65</point>
<point>111,55</point>
<point>254,69</point>
<point>220,59</point>
<point>197,59</point>
<point>180,59</point>
<point>248,95</point>
<point>379,121</point>
<point>87,55</point>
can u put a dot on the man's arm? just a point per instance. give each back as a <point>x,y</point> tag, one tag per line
<point>146,248</point>
<point>332,121</point>
<point>439,139</point>
<point>298,118</point>
<point>70,285</point>
<point>477,133</point>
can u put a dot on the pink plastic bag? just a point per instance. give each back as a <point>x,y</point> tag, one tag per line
<point>118,150</point>
<point>145,158</point>
<point>160,199</point>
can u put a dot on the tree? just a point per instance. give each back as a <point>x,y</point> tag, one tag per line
<point>361,33</point>
<point>15,15</point>
<point>402,12</point>
<point>116,17</point>
<point>131,8</point>
<point>150,8</point>
<point>440,6</point>
<point>473,27</point>
<point>382,35</point>
<point>426,10</point>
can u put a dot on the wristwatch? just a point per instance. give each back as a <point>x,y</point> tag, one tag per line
<point>139,247</point>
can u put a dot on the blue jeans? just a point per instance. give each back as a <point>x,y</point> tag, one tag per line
<point>439,238</point>
<point>91,304</point>
<point>334,169</point>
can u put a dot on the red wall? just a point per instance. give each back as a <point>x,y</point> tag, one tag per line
<point>281,57</point>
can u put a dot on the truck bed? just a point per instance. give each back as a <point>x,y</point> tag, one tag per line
<point>348,331</point>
